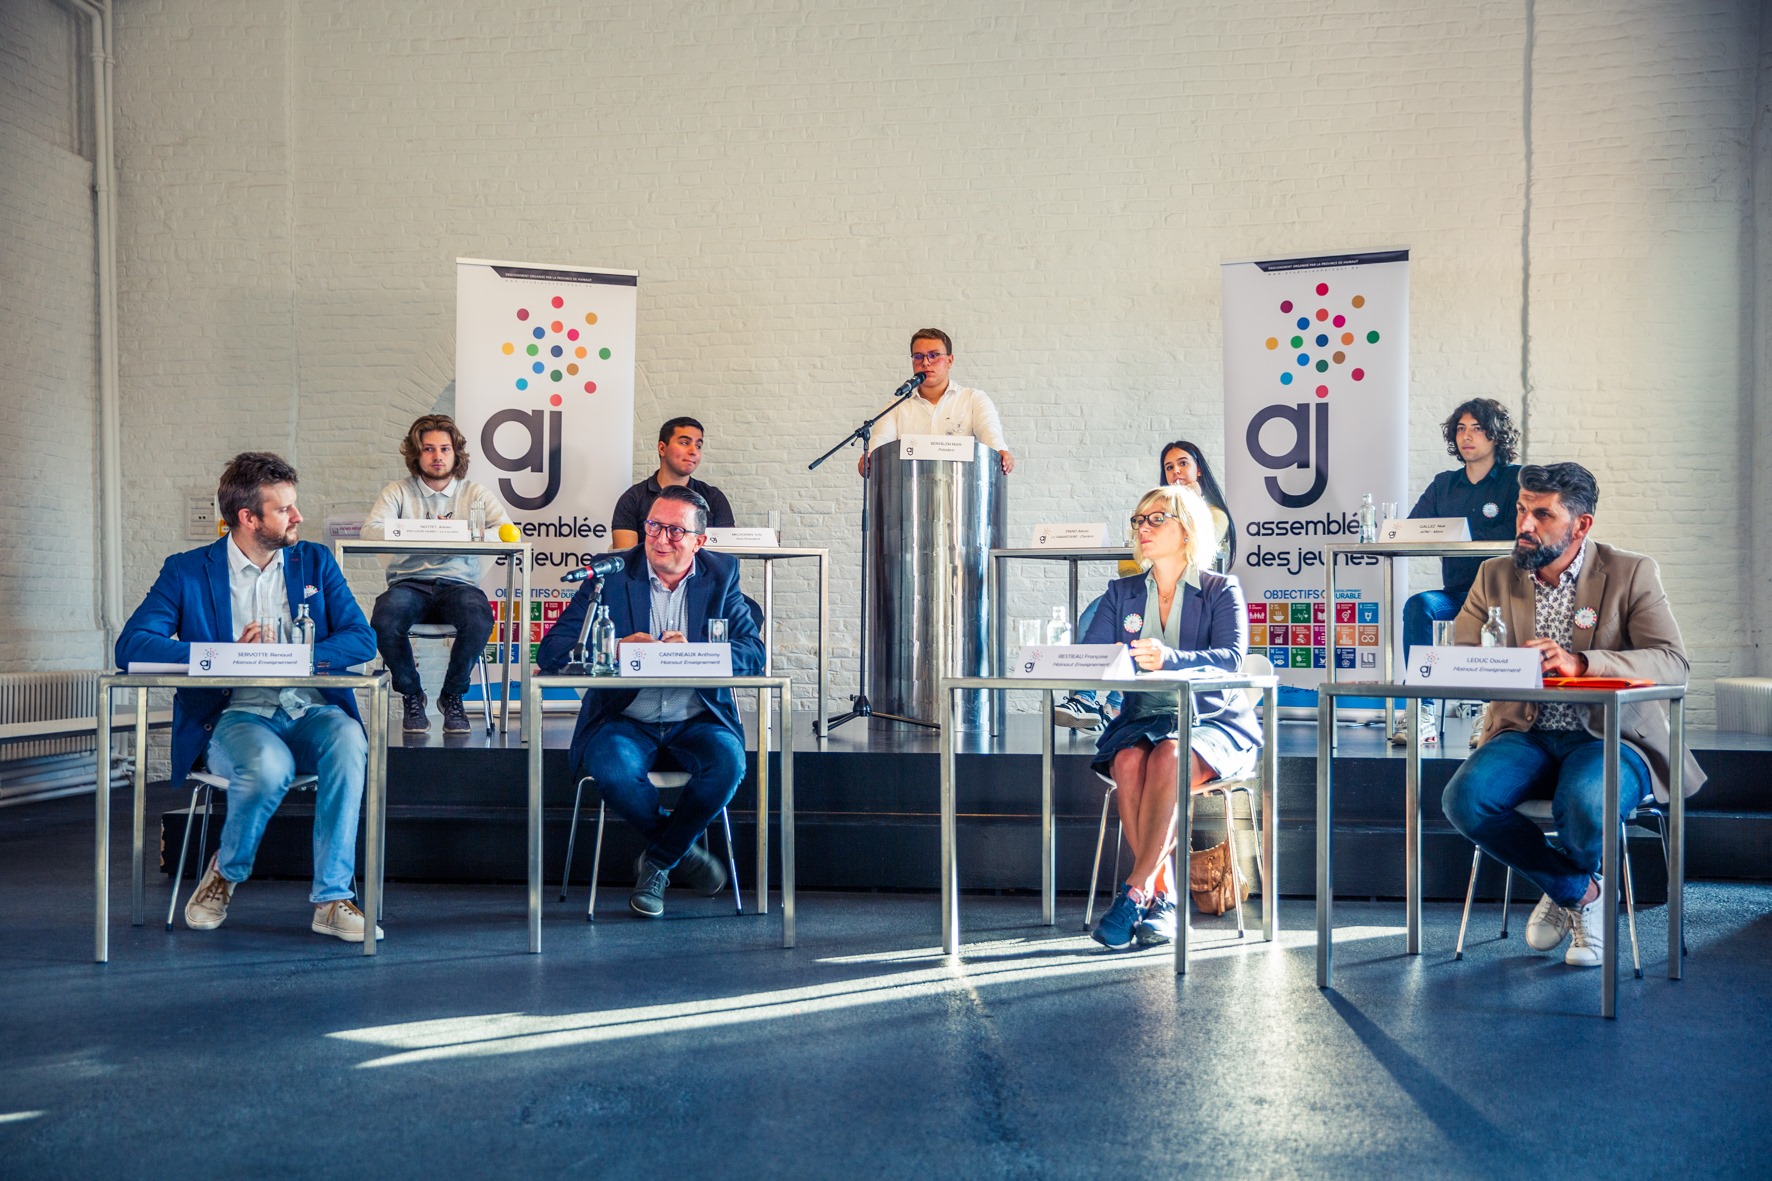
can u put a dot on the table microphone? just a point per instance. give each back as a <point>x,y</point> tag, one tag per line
<point>910,385</point>
<point>603,567</point>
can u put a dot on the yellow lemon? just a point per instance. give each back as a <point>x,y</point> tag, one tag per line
<point>508,532</point>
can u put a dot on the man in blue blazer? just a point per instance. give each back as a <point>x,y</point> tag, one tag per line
<point>666,592</point>
<point>243,589</point>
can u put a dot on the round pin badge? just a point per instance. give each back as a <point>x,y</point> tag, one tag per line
<point>1133,622</point>
<point>1491,510</point>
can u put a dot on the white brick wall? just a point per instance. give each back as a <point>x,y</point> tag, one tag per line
<point>48,348</point>
<point>1056,185</point>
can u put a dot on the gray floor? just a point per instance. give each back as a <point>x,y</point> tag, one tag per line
<point>696,1045</point>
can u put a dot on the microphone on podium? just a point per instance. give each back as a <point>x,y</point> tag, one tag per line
<point>603,567</point>
<point>905,389</point>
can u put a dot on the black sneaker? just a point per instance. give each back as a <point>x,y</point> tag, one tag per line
<point>455,718</point>
<point>1078,713</point>
<point>649,887</point>
<point>417,721</point>
<point>701,872</point>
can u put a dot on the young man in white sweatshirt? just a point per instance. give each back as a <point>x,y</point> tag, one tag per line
<point>423,588</point>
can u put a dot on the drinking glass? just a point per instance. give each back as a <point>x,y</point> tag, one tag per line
<point>717,631</point>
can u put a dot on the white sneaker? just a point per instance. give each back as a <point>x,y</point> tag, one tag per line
<point>1587,935</point>
<point>1077,713</point>
<point>1477,725</point>
<point>1430,730</point>
<point>1548,926</point>
<point>341,920</point>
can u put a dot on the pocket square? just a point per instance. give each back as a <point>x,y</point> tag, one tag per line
<point>308,592</point>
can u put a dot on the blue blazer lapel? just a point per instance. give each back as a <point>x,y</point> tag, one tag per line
<point>701,593</point>
<point>639,587</point>
<point>295,579</point>
<point>221,598</point>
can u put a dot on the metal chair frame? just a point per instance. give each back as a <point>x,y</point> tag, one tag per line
<point>1540,813</point>
<point>447,631</point>
<point>206,784</point>
<point>664,781</point>
<point>1225,788</point>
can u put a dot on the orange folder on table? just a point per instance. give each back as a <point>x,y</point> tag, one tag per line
<point>1596,683</point>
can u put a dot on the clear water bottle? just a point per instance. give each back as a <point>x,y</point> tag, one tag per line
<point>1058,628</point>
<point>302,632</point>
<point>1368,519</point>
<point>602,643</point>
<point>1495,631</point>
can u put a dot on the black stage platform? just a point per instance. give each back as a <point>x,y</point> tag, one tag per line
<point>868,812</point>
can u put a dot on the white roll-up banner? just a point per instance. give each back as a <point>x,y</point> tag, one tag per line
<point>544,392</point>
<point>1316,394</point>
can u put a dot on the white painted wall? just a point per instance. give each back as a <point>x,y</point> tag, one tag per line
<point>49,614</point>
<point>801,184</point>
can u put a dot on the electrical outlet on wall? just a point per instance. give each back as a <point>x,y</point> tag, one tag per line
<point>200,517</point>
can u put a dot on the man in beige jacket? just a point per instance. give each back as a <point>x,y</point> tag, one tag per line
<point>1590,610</point>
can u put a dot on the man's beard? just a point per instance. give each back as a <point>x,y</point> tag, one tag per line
<point>269,539</point>
<point>1533,559</point>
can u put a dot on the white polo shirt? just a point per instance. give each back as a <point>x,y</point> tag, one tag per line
<point>961,411</point>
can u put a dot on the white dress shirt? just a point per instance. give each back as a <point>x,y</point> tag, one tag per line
<point>961,411</point>
<point>262,594</point>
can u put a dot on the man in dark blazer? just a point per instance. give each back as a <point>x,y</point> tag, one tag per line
<point>666,592</point>
<point>1589,609</point>
<point>243,589</point>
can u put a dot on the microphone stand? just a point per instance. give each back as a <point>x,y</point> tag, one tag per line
<point>579,666</point>
<point>860,706</point>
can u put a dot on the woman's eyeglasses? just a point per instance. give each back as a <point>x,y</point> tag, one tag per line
<point>1154,520</point>
<point>674,532</point>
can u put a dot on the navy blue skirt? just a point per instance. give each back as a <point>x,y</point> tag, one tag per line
<point>1216,747</point>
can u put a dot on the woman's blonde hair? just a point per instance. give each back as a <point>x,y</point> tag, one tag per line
<point>1199,540</point>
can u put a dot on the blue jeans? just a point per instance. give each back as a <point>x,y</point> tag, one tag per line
<point>260,756</point>
<point>1563,766</point>
<point>620,753</point>
<point>1083,622</point>
<point>418,600</point>
<point>1420,613</point>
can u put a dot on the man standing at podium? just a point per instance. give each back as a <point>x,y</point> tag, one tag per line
<point>940,407</point>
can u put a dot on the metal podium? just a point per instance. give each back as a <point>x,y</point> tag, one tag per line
<point>934,524</point>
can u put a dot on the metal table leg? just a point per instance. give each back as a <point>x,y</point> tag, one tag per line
<point>1411,837</point>
<point>1270,829</point>
<point>819,726</point>
<point>532,736</point>
<point>138,902</point>
<point>787,810</point>
<point>1325,891</point>
<point>763,729</point>
<point>101,829</point>
<point>375,801</point>
<point>1327,704</point>
<point>1609,867</point>
<point>950,887</point>
<point>1184,822</point>
<point>1048,843</point>
<point>1676,833</point>
<point>504,635</point>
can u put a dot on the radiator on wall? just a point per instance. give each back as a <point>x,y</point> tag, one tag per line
<point>1745,703</point>
<point>43,768</point>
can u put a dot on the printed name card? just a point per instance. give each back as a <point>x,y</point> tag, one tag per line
<point>676,660</point>
<point>951,448</point>
<point>1102,662</point>
<point>1085,536</point>
<point>427,531</point>
<point>252,660</point>
<point>1426,529</point>
<point>1476,668</point>
<point>743,538</point>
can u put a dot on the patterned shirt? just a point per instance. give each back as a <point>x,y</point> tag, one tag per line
<point>1554,619</point>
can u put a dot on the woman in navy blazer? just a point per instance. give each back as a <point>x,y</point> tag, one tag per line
<point>1176,615</point>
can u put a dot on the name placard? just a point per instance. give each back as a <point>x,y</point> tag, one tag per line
<point>1103,662</point>
<point>427,531</point>
<point>251,660</point>
<point>948,448</point>
<point>1496,668</point>
<point>1425,529</point>
<point>676,660</point>
<point>1080,536</point>
<point>743,538</point>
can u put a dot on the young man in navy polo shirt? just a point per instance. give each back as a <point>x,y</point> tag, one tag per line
<point>1481,434</point>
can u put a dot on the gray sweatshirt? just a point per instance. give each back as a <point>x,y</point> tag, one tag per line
<point>411,499</point>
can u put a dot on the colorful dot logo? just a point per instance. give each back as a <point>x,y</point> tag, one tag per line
<point>564,343</point>
<point>1318,352</point>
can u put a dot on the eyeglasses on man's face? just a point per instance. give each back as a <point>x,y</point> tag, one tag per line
<point>674,532</point>
<point>1154,520</point>
<point>926,358</point>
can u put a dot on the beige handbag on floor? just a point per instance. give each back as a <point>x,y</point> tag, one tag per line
<point>1212,879</point>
